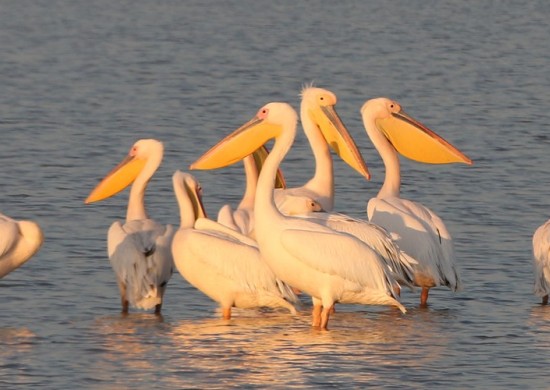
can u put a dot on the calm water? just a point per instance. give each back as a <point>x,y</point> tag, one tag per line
<point>80,81</point>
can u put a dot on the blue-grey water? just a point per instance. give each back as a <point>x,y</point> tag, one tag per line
<point>80,81</point>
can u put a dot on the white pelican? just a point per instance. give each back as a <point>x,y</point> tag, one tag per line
<point>224,264</point>
<point>541,261</point>
<point>422,234</point>
<point>323,129</point>
<point>139,248</point>
<point>327,265</point>
<point>242,218</point>
<point>19,241</point>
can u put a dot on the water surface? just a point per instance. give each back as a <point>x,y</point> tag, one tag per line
<point>82,80</point>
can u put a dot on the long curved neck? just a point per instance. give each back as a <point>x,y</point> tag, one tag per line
<point>187,212</point>
<point>264,204</point>
<point>251,173</point>
<point>392,180</point>
<point>136,202</point>
<point>323,180</point>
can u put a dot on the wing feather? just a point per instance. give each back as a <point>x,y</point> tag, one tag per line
<point>422,235</point>
<point>338,254</point>
<point>139,252</point>
<point>232,259</point>
<point>374,236</point>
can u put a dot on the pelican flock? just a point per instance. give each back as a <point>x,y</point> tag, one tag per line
<point>328,265</point>
<point>140,248</point>
<point>279,240</point>
<point>325,131</point>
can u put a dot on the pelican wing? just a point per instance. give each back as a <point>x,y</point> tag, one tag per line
<point>541,260</point>
<point>209,225</point>
<point>231,258</point>
<point>422,235</point>
<point>374,236</point>
<point>337,254</point>
<point>140,255</point>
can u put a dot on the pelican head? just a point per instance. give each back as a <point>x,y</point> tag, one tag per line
<point>408,136</point>
<point>127,170</point>
<point>268,123</point>
<point>319,105</point>
<point>187,182</point>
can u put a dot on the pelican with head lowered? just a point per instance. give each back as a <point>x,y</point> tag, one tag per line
<point>327,265</point>
<point>422,234</point>
<point>139,248</point>
<point>222,263</point>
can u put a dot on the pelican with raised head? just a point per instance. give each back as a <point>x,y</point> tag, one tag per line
<point>139,248</point>
<point>324,130</point>
<point>19,241</point>
<point>422,234</point>
<point>223,264</point>
<point>327,265</point>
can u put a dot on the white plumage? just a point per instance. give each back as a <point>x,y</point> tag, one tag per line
<point>328,265</point>
<point>541,262</point>
<point>19,241</point>
<point>139,247</point>
<point>422,234</point>
<point>222,263</point>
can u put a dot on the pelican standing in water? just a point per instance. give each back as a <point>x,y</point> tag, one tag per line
<point>19,241</point>
<point>541,262</point>
<point>422,234</point>
<point>327,265</point>
<point>224,264</point>
<point>139,248</point>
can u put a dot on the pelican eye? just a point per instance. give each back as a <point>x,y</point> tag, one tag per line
<point>262,114</point>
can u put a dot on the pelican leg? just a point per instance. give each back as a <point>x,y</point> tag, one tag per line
<point>397,290</point>
<point>316,314</point>
<point>325,314</point>
<point>332,309</point>
<point>424,296</point>
<point>226,313</point>
<point>158,309</point>
<point>123,299</point>
<point>545,300</point>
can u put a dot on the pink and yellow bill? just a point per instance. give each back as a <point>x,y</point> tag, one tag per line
<point>117,180</point>
<point>415,141</point>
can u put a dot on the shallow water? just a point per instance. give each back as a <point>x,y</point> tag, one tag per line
<point>82,80</point>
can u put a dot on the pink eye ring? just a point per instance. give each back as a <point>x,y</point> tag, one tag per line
<point>262,114</point>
